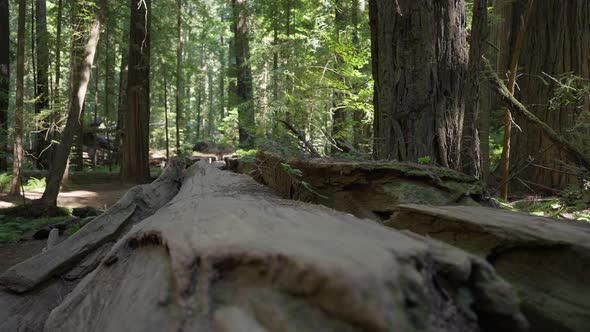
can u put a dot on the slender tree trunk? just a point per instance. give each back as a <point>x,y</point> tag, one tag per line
<point>339,128</point>
<point>57,104</point>
<point>211,99</point>
<point>245,90</point>
<point>15,187</point>
<point>107,86</point>
<point>179,85</point>
<point>135,165</point>
<point>166,118</point>
<point>470,147</point>
<point>122,104</point>
<point>419,64</point>
<point>222,73</point>
<point>42,86</point>
<point>200,94</point>
<point>4,81</point>
<point>56,90</point>
<point>81,61</point>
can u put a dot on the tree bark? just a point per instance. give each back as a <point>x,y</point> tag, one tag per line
<point>558,42</point>
<point>82,57</point>
<point>419,65</point>
<point>42,86</point>
<point>179,85</point>
<point>166,119</point>
<point>18,115</point>
<point>122,103</point>
<point>135,166</point>
<point>245,90</point>
<point>470,143</point>
<point>4,81</point>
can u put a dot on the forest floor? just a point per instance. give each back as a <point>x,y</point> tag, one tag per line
<point>99,195</point>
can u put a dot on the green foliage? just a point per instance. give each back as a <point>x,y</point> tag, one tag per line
<point>73,229</point>
<point>246,153</point>
<point>34,184</point>
<point>291,170</point>
<point>5,180</point>
<point>424,160</point>
<point>14,229</point>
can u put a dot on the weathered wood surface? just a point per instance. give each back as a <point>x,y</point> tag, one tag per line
<point>46,279</point>
<point>366,189</point>
<point>546,260</point>
<point>227,255</point>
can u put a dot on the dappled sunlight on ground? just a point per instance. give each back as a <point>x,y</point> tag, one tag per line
<point>100,196</point>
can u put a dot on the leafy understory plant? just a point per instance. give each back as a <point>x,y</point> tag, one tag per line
<point>296,175</point>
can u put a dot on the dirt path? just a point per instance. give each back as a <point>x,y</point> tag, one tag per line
<point>100,196</point>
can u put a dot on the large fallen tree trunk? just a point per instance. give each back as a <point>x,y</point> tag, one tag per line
<point>367,189</point>
<point>227,255</point>
<point>47,278</point>
<point>546,260</point>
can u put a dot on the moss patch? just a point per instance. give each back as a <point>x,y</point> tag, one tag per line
<point>19,220</point>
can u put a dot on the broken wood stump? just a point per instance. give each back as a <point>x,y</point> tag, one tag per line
<point>225,254</point>
<point>546,260</point>
<point>367,189</point>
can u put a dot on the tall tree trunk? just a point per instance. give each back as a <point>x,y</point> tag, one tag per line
<point>419,65</point>
<point>557,42</point>
<point>107,85</point>
<point>222,73</point>
<point>339,118</point>
<point>470,147</point>
<point>122,103</point>
<point>179,85</point>
<point>245,90</point>
<point>166,118</point>
<point>18,115</point>
<point>42,86</point>
<point>135,166</point>
<point>82,57</point>
<point>57,104</point>
<point>210,100</point>
<point>4,81</point>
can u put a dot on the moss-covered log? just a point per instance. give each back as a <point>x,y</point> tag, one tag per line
<point>366,189</point>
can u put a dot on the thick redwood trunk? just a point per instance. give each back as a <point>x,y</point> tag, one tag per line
<point>135,166</point>
<point>419,64</point>
<point>557,42</point>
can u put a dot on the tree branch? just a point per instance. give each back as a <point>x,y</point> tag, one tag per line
<point>516,106</point>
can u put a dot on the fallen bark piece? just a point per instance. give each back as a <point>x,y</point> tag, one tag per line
<point>139,203</point>
<point>226,248</point>
<point>546,260</point>
<point>367,189</point>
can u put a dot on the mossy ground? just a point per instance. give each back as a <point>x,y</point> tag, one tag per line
<point>19,220</point>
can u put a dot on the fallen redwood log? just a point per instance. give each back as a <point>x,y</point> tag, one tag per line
<point>225,254</point>
<point>546,260</point>
<point>47,278</point>
<point>367,189</point>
